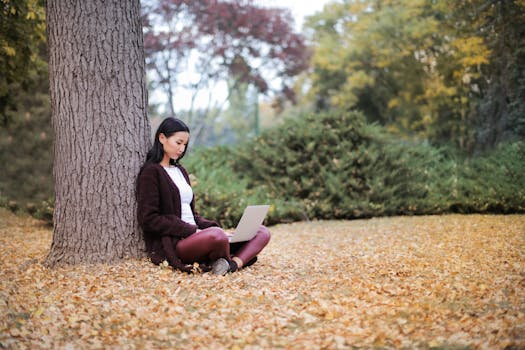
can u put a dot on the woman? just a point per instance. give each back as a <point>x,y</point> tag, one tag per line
<point>173,230</point>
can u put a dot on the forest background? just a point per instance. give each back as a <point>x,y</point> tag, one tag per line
<point>375,108</point>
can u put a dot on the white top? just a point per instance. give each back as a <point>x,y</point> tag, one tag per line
<point>186,194</point>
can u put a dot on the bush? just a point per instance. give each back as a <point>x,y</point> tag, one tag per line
<point>337,166</point>
<point>222,195</point>
<point>26,149</point>
<point>44,211</point>
<point>493,182</point>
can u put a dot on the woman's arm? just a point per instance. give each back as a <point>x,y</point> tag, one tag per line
<point>203,223</point>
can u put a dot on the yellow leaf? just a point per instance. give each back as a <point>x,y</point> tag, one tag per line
<point>329,316</point>
<point>39,311</point>
<point>9,51</point>
<point>393,103</point>
<point>434,344</point>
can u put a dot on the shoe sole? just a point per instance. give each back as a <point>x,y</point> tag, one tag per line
<point>220,267</point>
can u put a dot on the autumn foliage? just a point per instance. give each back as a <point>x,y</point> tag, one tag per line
<point>446,71</point>
<point>444,282</point>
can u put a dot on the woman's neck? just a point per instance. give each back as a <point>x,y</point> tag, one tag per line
<point>165,162</point>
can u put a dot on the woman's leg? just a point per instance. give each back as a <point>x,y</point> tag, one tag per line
<point>204,246</point>
<point>248,250</point>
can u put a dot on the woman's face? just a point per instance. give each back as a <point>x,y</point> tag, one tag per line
<point>174,145</point>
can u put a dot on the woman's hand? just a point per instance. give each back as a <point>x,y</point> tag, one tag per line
<point>179,265</point>
<point>185,268</point>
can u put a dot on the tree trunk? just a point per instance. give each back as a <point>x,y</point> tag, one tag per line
<point>99,103</point>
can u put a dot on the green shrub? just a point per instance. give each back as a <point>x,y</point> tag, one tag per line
<point>339,167</point>
<point>335,166</point>
<point>44,211</point>
<point>3,201</point>
<point>493,182</point>
<point>26,148</point>
<point>222,195</point>
<point>406,178</point>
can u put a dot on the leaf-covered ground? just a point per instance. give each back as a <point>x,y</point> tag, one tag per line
<point>405,282</point>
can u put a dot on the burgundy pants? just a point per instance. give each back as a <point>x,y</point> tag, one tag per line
<point>212,243</point>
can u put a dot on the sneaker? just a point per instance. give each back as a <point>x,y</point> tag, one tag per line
<point>251,262</point>
<point>220,267</point>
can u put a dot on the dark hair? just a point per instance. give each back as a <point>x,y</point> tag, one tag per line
<point>168,127</point>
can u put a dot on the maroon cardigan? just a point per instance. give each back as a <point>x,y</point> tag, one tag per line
<point>159,214</point>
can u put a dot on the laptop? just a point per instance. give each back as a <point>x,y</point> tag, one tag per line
<point>248,226</point>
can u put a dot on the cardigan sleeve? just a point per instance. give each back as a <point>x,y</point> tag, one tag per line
<point>203,223</point>
<point>149,214</point>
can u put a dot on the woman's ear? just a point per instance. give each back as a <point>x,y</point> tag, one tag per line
<point>162,138</point>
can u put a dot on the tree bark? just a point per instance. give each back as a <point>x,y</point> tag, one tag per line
<point>99,113</point>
